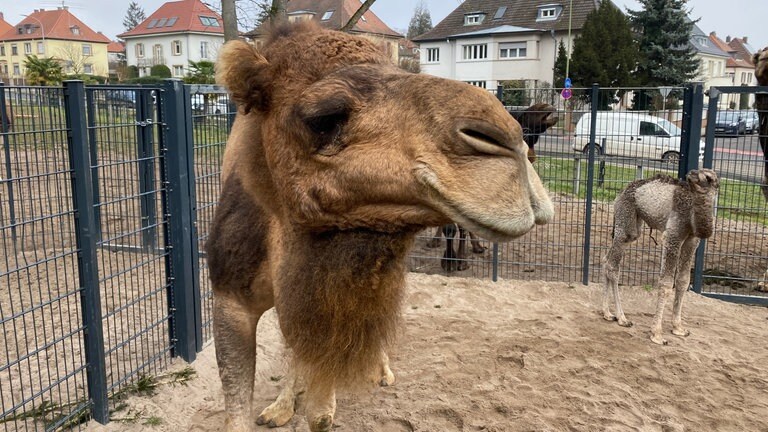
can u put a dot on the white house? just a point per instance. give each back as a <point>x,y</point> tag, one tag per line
<point>486,42</point>
<point>175,34</point>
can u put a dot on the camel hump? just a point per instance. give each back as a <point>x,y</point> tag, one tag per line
<point>234,253</point>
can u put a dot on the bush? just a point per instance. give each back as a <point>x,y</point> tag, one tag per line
<point>132,72</point>
<point>161,71</point>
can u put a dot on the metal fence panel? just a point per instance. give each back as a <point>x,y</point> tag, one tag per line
<point>42,362</point>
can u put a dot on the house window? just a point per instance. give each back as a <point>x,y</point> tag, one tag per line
<point>75,30</point>
<point>548,12</point>
<point>473,19</point>
<point>161,22</point>
<point>140,50</point>
<point>475,52</point>
<point>88,68</point>
<point>14,50</point>
<point>480,84</point>
<point>203,50</point>
<point>327,15</point>
<point>209,21</point>
<point>176,47</point>
<point>157,52</point>
<point>178,70</point>
<point>2,50</point>
<point>433,55</point>
<point>16,69</point>
<point>27,48</point>
<point>512,50</point>
<point>500,12</point>
<point>86,50</point>
<point>40,48</point>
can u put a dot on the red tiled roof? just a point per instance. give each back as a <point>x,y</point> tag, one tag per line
<point>179,16</point>
<point>720,43</point>
<point>340,12</point>
<point>116,47</point>
<point>737,44</point>
<point>56,24</point>
<point>738,63</point>
<point>4,26</point>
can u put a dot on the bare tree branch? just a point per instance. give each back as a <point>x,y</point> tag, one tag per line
<point>356,17</point>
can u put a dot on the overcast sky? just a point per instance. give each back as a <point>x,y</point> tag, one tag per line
<point>733,17</point>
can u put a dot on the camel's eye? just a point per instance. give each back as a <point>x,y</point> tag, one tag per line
<point>327,124</point>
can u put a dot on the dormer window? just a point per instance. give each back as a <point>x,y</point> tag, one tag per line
<point>327,15</point>
<point>75,30</point>
<point>474,18</point>
<point>548,12</point>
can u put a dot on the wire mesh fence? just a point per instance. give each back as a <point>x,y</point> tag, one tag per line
<point>107,194</point>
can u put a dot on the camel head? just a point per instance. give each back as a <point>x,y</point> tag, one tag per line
<point>535,120</point>
<point>760,59</point>
<point>333,136</point>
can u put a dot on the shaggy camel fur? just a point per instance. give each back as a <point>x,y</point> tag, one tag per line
<point>534,120</point>
<point>761,104</point>
<point>684,212</point>
<point>336,160</point>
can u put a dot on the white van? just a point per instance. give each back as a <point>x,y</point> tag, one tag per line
<point>632,135</point>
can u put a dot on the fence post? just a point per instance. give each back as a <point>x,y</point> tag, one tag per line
<point>709,148</point>
<point>145,155</point>
<point>86,235</point>
<point>495,248</point>
<point>590,179</point>
<point>5,125</point>
<point>90,105</point>
<point>693,105</point>
<point>186,318</point>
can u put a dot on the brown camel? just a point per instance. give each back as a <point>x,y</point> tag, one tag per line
<point>684,212</point>
<point>761,104</point>
<point>336,160</point>
<point>534,121</point>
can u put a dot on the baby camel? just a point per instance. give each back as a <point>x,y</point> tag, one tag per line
<point>683,210</point>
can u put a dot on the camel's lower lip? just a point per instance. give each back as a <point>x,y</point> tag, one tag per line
<point>514,228</point>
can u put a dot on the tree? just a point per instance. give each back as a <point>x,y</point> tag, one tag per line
<point>604,52</point>
<point>666,57</point>
<point>201,72</point>
<point>160,71</point>
<point>560,65</point>
<point>421,22</point>
<point>229,17</point>
<point>356,17</point>
<point>134,16</point>
<point>45,71</point>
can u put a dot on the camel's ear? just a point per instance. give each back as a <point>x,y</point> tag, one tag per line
<point>244,72</point>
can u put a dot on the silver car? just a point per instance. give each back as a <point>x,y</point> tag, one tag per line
<point>751,120</point>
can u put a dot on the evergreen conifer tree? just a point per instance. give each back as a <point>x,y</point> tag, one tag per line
<point>134,16</point>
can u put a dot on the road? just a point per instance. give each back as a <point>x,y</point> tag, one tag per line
<point>737,158</point>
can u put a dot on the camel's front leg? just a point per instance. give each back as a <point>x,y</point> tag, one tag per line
<point>436,239</point>
<point>682,280</point>
<point>281,410</point>
<point>462,254</point>
<point>387,378</point>
<point>611,272</point>
<point>321,406</point>
<point>669,263</point>
<point>476,246</point>
<point>234,329</point>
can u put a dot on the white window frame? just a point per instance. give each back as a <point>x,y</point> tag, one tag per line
<point>513,50</point>
<point>178,70</point>
<point>176,48</point>
<point>327,15</point>
<point>16,69</point>
<point>157,51</point>
<point>40,48</point>
<point>204,50</point>
<point>139,50</point>
<point>433,55</point>
<point>549,13</point>
<point>481,84</point>
<point>27,47</point>
<point>474,52</point>
<point>88,68</point>
<point>87,51</point>
<point>473,19</point>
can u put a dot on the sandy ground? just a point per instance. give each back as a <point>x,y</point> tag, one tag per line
<point>518,356</point>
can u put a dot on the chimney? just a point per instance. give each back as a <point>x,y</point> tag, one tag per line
<point>745,39</point>
<point>728,39</point>
<point>1,15</point>
<point>713,34</point>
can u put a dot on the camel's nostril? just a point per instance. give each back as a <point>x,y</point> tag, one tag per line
<point>480,136</point>
<point>485,138</point>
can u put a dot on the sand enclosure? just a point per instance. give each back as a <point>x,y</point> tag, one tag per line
<point>513,356</point>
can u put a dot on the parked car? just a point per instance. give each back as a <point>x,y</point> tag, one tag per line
<point>730,123</point>
<point>631,134</point>
<point>216,104</point>
<point>751,121</point>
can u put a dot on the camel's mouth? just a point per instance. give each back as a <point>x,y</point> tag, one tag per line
<point>499,229</point>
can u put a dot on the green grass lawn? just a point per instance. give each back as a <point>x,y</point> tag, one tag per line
<point>737,200</point>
